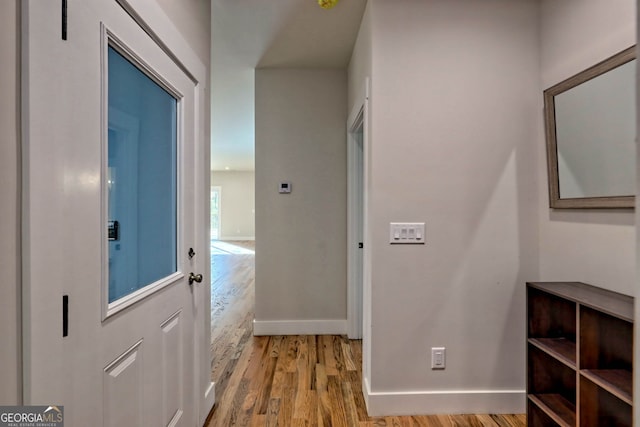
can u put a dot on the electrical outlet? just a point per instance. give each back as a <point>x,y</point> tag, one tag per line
<point>438,357</point>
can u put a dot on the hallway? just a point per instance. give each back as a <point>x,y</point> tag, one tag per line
<point>291,380</point>
<point>232,302</point>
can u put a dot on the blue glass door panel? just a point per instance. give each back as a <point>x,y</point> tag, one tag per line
<point>142,179</point>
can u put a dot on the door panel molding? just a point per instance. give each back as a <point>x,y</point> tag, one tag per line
<point>123,389</point>
<point>172,373</point>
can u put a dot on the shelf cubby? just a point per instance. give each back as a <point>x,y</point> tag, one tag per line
<point>598,407</point>
<point>606,352</point>
<point>579,356</point>
<point>616,381</point>
<point>552,387</point>
<point>550,409</point>
<point>552,325</point>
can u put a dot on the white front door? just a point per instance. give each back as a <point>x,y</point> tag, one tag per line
<point>114,330</point>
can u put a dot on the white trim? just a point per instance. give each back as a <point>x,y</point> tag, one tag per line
<point>110,39</point>
<point>361,98</point>
<point>431,402</point>
<point>366,392</point>
<point>299,327</point>
<point>237,238</point>
<point>165,34</point>
<point>366,262</point>
<point>355,219</point>
<point>360,326</point>
<point>128,300</point>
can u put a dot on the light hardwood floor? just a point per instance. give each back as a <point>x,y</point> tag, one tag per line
<point>292,380</point>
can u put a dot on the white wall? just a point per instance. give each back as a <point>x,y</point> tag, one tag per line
<point>301,237</point>
<point>360,64</point>
<point>455,112</point>
<point>592,246</point>
<point>193,20</point>
<point>10,385</point>
<point>237,204</point>
<point>359,70</point>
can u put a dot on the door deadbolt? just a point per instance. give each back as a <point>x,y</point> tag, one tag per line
<point>195,278</point>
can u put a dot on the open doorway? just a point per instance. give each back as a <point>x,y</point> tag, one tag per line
<point>357,141</point>
<point>232,270</point>
<point>356,225</point>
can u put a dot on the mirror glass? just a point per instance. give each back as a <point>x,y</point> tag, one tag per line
<point>591,136</point>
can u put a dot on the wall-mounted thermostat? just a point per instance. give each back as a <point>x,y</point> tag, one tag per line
<point>285,187</point>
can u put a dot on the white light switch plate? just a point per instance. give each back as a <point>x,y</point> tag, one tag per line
<point>406,233</point>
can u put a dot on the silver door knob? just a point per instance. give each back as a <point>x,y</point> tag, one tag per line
<point>195,278</point>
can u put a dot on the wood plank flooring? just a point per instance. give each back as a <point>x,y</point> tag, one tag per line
<point>292,380</point>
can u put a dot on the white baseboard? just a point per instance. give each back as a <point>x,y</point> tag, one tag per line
<point>366,392</point>
<point>299,327</point>
<point>444,402</point>
<point>237,238</point>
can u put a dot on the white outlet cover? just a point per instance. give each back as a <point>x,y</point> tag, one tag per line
<point>438,357</point>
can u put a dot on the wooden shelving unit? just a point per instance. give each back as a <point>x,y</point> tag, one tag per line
<point>579,356</point>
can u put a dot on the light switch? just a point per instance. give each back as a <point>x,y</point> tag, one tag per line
<point>407,233</point>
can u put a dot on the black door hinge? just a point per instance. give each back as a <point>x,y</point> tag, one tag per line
<point>65,315</point>
<point>64,19</point>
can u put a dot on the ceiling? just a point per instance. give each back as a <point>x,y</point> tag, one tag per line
<point>250,34</point>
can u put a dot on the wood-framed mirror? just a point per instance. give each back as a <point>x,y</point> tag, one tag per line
<point>590,124</point>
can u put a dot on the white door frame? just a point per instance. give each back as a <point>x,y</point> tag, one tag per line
<point>358,284</point>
